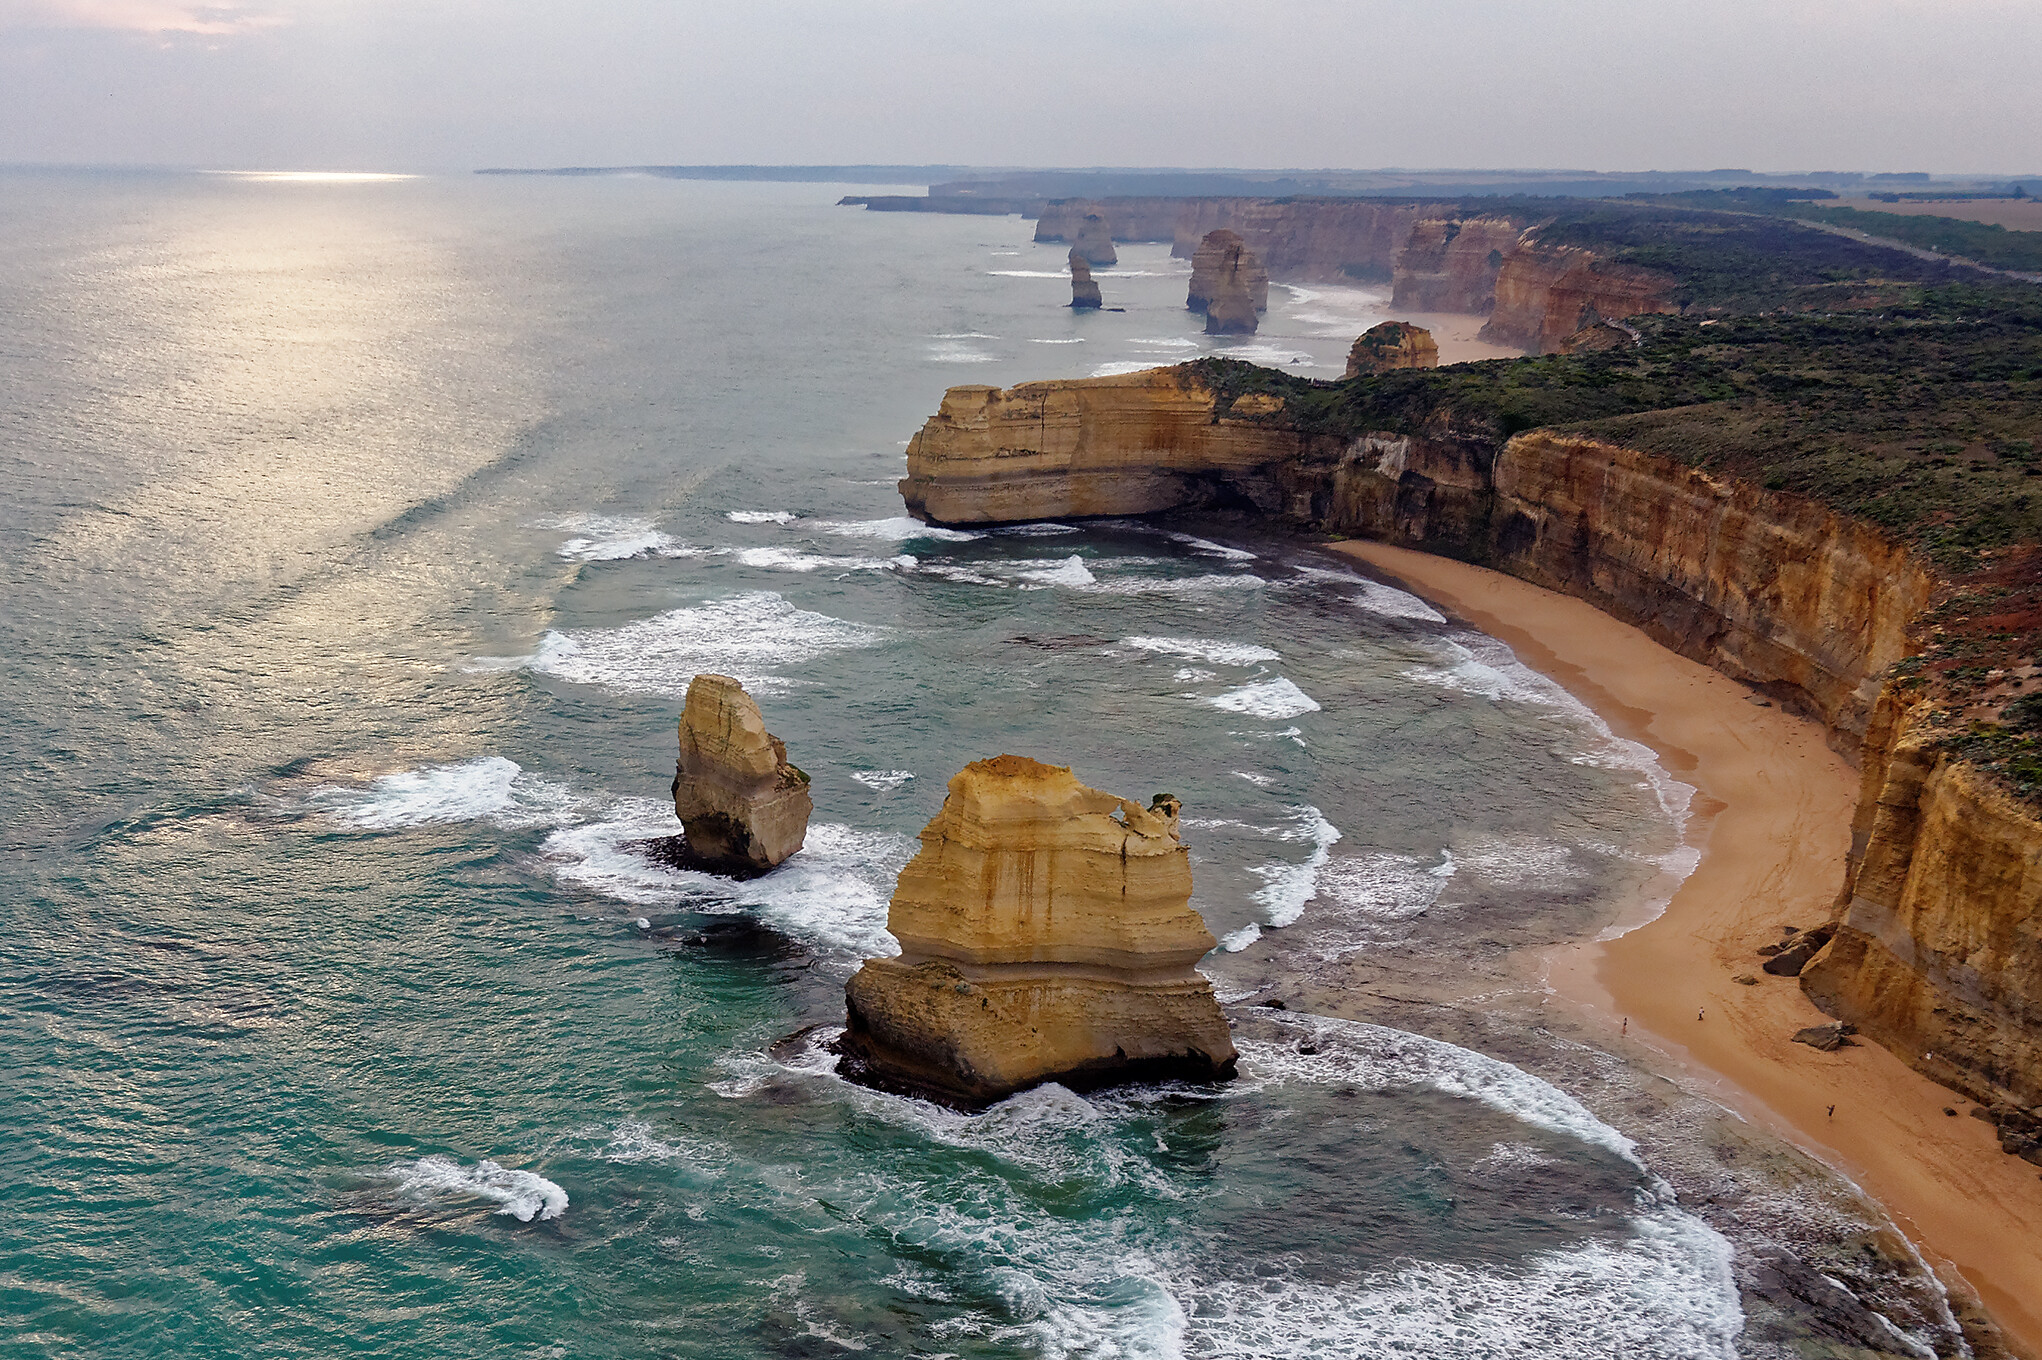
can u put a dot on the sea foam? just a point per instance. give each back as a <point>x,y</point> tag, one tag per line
<point>747,636</point>
<point>1203,649</point>
<point>524,1195</point>
<point>487,787</point>
<point>1277,698</point>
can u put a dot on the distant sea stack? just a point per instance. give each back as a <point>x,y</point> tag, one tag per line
<point>744,808</point>
<point>1047,934</point>
<point>1208,264</point>
<point>1094,240</point>
<point>1084,292</point>
<point>1230,309</point>
<point>1393,344</point>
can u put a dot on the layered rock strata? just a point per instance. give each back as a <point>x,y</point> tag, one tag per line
<point>1084,291</point>
<point>1938,943</point>
<point>1449,264</point>
<point>1937,948</point>
<point>1046,934</point>
<point>743,807</point>
<point>1208,267</point>
<point>1230,309</point>
<point>1392,344</point>
<point>1546,293</point>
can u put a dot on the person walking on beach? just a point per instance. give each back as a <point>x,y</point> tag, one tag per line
<point>1699,1010</point>
<point>1832,1112</point>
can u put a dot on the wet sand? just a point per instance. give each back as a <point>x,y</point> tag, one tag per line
<point>1772,820</point>
<point>1456,335</point>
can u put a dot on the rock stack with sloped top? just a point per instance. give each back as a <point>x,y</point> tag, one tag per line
<point>1230,309</point>
<point>1094,240</point>
<point>1392,344</point>
<point>1208,264</point>
<point>1084,292</point>
<point>1046,934</point>
<point>743,807</point>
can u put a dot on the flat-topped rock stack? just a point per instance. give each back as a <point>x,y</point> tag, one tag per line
<point>1046,934</point>
<point>743,807</point>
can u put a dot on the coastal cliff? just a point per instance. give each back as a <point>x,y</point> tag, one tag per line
<point>1437,257</point>
<point>1545,293</point>
<point>1938,944</point>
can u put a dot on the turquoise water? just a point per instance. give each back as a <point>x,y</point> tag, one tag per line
<point>362,541</point>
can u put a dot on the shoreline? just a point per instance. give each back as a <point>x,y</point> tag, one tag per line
<point>1771,817</point>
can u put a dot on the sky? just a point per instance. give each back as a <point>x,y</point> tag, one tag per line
<point>1948,86</point>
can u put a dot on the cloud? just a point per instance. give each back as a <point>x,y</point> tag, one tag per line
<point>135,16</point>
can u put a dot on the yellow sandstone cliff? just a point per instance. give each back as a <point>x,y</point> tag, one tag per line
<point>1938,946</point>
<point>1046,934</point>
<point>1392,344</point>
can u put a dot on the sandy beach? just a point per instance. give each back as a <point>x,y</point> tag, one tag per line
<point>1772,820</point>
<point>1458,335</point>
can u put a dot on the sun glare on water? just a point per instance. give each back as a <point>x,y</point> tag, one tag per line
<point>315,176</point>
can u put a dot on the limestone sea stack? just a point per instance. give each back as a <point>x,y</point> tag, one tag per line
<point>1095,239</point>
<point>744,808</point>
<point>1046,934</point>
<point>1084,292</point>
<point>1207,264</point>
<point>1230,310</point>
<point>1393,344</point>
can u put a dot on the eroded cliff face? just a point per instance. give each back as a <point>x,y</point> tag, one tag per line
<point>1046,934</point>
<point>1545,293</point>
<point>1209,265</point>
<point>1127,445</point>
<point>1938,947</point>
<point>1450,264</point>
<point>743,806</point>
<point>1770,589</point>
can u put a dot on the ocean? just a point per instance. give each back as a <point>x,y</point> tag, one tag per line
<point>362,539</point>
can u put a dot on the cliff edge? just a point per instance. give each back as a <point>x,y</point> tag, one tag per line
<point>1937,946</point>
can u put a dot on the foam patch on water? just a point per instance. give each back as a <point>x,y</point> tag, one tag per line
<point>1520,862</point>
<point>897,529</point>
<point>831,896</point>
<point>1385,887</point>
<point>1039,529</point>
<point>1483,666</point>
<point>1193,586</point>
<point>1378,1058</point>
<point>760,516</point>
<point>1203,649</point>
<point>956,352</point>
<point>1029,273</point>
<point>486,788</point>
<point>969,335</point>
<point>882,780</point>
<point>747,636</point>
<point>907,562</point>
<point>524,1195</point>
<point>1278,698</point>
<point>613,538</point>
<point>1070,572</point>
<point>1286,888</point>
<point>1210,549</point>
<point>1375,597</point>
<point>1118,368</point>
<point>793,559</point>
<point>1074,340</point>
<point>1667,1293</point>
